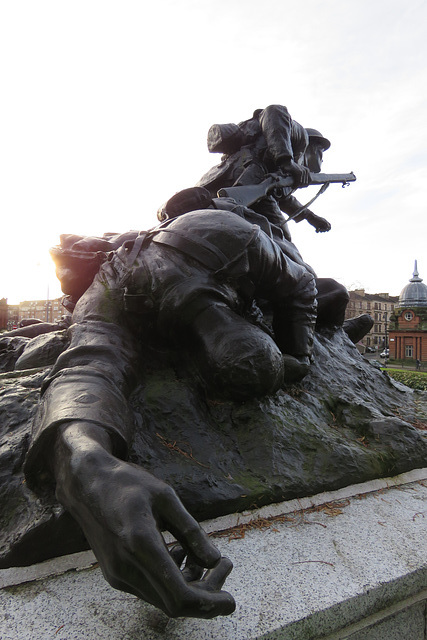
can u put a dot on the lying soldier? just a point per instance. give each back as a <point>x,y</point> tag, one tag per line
<point>190,283</point>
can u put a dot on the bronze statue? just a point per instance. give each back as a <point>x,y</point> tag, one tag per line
<point>270,141</point>
<point>194,284</point>
<point>193,281</point>
<point>260,155</point>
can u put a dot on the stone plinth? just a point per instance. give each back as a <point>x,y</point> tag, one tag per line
<point>349,564</point>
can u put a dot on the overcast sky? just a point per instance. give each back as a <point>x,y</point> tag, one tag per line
<point>106,105</point>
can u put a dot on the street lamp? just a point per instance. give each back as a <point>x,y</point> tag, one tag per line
<point>385,330</point>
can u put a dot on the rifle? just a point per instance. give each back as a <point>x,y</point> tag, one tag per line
<point>279,186</point>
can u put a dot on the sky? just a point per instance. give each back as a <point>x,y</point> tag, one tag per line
<point>106,106</point>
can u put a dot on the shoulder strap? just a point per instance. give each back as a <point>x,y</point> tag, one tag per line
<point>137,246</point>
<point>201,249</point>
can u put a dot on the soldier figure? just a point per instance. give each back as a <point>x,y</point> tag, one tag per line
<point>188,282</point>
<point>271,141</point>
<point>192,282</point>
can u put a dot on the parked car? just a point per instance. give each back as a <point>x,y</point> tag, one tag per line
<point>385,353</point>
<point>369,350</point>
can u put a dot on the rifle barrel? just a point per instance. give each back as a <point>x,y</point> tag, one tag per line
<point>321,178</point>
<point>249,194</point>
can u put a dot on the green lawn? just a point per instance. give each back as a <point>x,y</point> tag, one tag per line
<point>413,379</point>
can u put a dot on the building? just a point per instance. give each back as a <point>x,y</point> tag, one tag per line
<point>380,307</point>
<point>44,310</point>
<point>408,326</point>
<point>12,316</point>
<point>3,313</point>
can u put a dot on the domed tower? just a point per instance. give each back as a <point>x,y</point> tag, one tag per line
<point>408,325</point>
<point>415,293</point>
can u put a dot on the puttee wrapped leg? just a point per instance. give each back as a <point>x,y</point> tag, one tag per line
<point>293,324</point>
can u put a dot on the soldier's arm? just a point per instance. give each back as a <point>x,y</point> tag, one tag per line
<point>122,509</point>
<point>82,430</point>
<point>290,205</point>
<point>278,129</point>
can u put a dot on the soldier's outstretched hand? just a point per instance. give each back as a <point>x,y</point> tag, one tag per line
<point>320,224</point>
<point>122,509</point>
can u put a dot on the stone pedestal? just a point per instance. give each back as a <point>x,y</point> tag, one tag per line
<point>348,564</point>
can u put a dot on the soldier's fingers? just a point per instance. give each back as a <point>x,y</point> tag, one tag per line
<point>207,601</point>
<point>192,570</point>
<point>209,604</point>
<point>305,176</point>
<point>178,554</point>
<point>215,577</point>
<point>189,533</point>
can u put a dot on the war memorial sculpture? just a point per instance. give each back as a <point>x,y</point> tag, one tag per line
<point>203,369</point>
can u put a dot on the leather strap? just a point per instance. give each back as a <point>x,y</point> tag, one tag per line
<point>201,249</point>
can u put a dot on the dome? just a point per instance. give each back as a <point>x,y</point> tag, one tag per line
<point>415,293</point>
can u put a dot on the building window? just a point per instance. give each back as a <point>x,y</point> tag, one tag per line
<point>409,351</point>
<point>408,315</point>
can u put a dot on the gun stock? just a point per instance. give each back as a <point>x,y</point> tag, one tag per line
<point>248,195</point>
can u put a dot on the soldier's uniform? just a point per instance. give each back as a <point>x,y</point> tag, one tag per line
<point>190,282</point>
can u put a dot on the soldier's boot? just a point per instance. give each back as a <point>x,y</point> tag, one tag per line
<point>297,351</point>
<point>295,369</point>
<point>357,328</point>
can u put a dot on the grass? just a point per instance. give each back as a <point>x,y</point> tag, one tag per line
<point>413,379</point>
